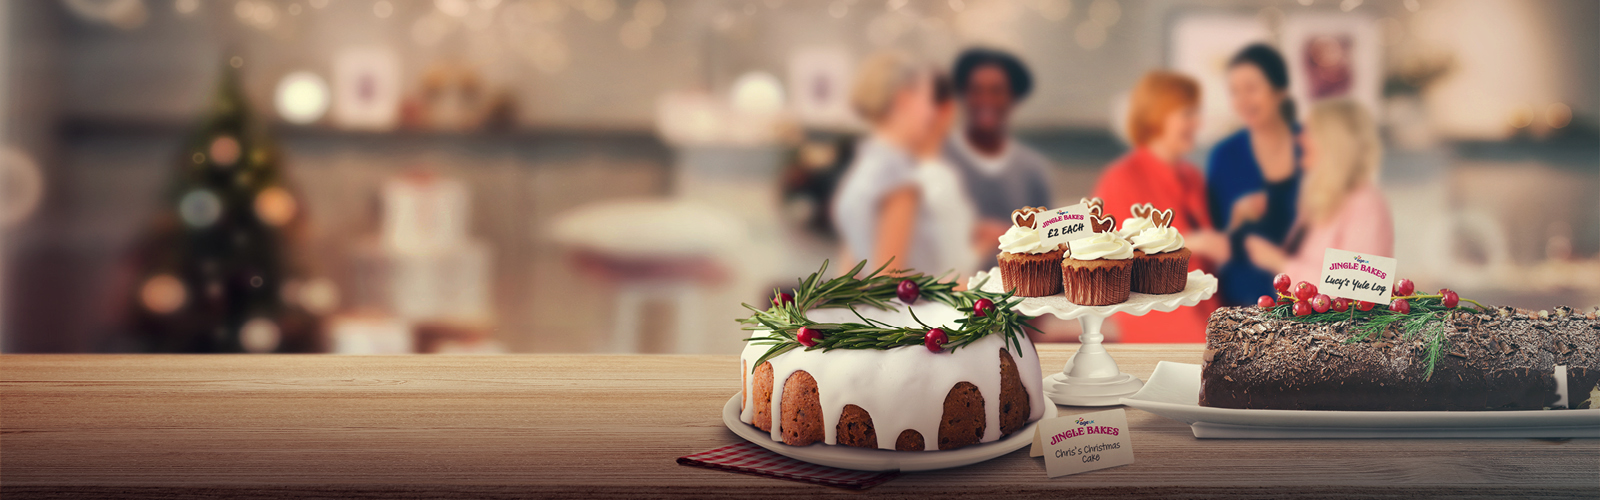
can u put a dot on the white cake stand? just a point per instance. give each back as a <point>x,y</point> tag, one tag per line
<point>1091,377</point>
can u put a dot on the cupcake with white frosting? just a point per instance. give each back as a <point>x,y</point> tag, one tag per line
<point>1160,262</point>
<point>1139,222</point>
<point>1027,266</point>
<point>1098,269</point>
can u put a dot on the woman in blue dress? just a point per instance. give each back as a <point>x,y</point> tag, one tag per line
<point>1253,176</point>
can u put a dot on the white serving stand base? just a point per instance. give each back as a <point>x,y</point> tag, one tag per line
<point>1091,377</point>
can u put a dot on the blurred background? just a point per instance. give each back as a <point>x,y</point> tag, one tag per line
<point>380,176</point>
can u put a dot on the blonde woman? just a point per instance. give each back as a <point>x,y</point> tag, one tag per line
<point>1340,204</point>
<point>883,208</point>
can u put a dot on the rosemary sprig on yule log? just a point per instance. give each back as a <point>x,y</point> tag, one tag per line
<point>1417,315</point>
<point>988,313</point>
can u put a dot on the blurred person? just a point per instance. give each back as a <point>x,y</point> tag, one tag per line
<point>883,209</point>
<point>1163,117</point>
<point>1340,204</point>
<point>1001,173</point>
<point>958,242</point>
<point>1253,176</point>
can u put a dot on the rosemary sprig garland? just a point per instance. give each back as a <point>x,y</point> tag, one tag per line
<point>784,319</point>
<point>1425,320</point>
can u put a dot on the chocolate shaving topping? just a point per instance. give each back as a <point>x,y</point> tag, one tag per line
<point>1497,360</point>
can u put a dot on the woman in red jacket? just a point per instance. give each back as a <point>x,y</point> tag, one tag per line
<point>1163,114</point>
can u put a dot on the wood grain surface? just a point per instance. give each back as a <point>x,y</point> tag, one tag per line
<point>608,426</point>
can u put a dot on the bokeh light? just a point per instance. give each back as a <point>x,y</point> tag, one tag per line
<point>1521,116</point>
<point>260,335</point>
<point>758,92</point>
<point>224,151</point>
<point>275,206</point>
<point>200,208</point>
<point>302,97</point>
<point>456,8</point>
<point>1558,115</point>
<point>162,294</point>
<point>319,296</point>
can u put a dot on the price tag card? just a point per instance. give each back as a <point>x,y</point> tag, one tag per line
<point>1356,276</point>
<point>1063,225</point>
<point>1082,443</point>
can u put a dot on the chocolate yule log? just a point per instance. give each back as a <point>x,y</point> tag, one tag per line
<point>1498,359</point>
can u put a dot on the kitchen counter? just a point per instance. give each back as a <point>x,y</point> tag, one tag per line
<point>244,426</point>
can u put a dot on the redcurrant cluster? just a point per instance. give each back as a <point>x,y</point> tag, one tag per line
<point>1306,300</point>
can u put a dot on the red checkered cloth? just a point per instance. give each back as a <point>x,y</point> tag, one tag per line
<point>747,458</point>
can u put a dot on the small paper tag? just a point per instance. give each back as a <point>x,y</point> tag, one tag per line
<point>1063,225</point>
<point>1356,276</point>
<point>1082,443</point>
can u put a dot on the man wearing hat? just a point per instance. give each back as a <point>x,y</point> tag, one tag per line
<point>1001,173</point>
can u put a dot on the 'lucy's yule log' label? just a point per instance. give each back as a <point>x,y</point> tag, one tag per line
<point>1351,275</point>
<point>1082,443</point>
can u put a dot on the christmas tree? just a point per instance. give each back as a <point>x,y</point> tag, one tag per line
<point>217,271</point>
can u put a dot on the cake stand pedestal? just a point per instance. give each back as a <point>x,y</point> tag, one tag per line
<point>1091,377</point>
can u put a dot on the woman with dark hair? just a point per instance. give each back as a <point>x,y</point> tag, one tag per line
<point>1253,176</point>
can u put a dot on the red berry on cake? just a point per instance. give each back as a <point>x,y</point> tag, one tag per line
<point>1404,287</point>
<point>1450,298</point>
<point>808,337</point>
<point>935,339</point>
<point>981,307</point>
<point>1302,308</point>
<point>1321,303</point>
<point>908,291</point>
<point>1364,306</point>
<point>1305,291</point>
<point>1341,305</point>
<point>1400,306</point>
<point>1266,301</point>
<point>1281,282</point>
<point>783,299</point>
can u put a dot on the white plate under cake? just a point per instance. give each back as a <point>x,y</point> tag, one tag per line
<point>905,398</point>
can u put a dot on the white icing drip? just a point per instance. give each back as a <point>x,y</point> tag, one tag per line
<point>1132,226</point>
<point>1020,239</point>
<point>901,388</point>
<point>1101,246</point>
<point>1594,397</point>
<point>1561,386</point>
<point>1157,240</point>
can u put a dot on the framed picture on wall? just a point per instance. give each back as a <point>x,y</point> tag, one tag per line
<point>1332,56</point>
<point>366,88</point>
<point>819,86</point>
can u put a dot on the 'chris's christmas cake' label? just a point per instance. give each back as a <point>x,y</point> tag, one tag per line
<point>1082,443</point>
<point>1062,225</point>
<point>1356,276</point>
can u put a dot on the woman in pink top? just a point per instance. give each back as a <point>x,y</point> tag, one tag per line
<point>1340,204</point>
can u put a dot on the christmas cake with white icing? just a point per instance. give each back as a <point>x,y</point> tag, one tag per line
<point>891,362</point>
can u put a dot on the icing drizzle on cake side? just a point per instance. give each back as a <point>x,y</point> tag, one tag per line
<point>902,388</point>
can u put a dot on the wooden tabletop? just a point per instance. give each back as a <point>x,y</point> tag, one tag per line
<point>597,425</point>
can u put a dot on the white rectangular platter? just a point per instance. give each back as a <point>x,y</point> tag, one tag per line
<point>1174,392</point>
